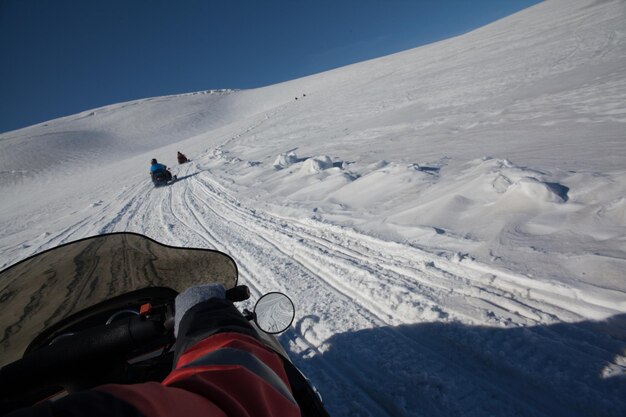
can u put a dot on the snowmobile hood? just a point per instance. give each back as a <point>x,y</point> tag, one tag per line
<point>42,290</point>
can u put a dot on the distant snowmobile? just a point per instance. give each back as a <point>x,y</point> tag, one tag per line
<point>160,174</point>
<point>182,158</point>
<point>163,178</point>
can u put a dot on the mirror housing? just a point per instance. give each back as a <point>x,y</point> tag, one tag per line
<point>274,312</point>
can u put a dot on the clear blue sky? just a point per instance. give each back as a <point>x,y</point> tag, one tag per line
<point>60,57</point>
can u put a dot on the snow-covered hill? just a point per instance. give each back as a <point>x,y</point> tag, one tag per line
<point>450,220</point>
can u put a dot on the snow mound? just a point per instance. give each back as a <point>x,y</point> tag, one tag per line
<point>489,181</point>
<point>520,183</point>
<point>536,190</point>
<point>285,159</point>
<point>481,199</point>
<point>614,211</point>
<point>378,165</point>
<point>316,164</point>
<point>381,184</point>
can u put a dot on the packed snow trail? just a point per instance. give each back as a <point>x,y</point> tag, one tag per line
<point>440,335</point>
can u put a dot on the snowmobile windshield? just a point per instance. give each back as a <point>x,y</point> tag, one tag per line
<point>42,290</point>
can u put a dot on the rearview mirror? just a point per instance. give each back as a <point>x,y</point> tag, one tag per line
<point>274,312</point>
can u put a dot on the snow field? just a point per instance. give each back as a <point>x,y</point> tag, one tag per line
<point>449,221</point>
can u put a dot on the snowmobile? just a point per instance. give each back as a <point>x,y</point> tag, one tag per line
<point>101,310</point>
<point>182,158</point>
<point>163,178</point>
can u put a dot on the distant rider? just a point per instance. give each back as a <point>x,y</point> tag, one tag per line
<point>157,170</point>
<point>182,158</point>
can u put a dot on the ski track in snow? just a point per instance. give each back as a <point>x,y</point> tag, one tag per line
<point>356,285</point>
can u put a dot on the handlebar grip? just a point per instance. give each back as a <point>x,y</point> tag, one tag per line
<point>238,293</point>
<point>58,363</point>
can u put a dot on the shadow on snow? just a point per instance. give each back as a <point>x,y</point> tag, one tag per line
<point>188,176</point>
<point>450,369</point>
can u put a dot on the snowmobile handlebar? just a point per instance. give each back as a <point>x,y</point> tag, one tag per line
<point>70,358</point>
<point>73,358</point>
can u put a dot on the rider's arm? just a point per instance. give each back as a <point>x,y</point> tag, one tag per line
<point>220,364</point>
<point>221,369</point>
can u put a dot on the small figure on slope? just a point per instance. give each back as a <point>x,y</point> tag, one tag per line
<point>181,158</point>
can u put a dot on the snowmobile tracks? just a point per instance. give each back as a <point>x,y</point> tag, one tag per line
<point>357,264</point>
<point>372,280</point>
<point>384,297</point>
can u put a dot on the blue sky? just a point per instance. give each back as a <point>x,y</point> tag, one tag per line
<point>60,57</point>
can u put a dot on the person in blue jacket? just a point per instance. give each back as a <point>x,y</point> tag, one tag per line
<point>159,171</point>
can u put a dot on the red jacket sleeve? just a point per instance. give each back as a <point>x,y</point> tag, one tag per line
<point>221,369</point>
<point>229,373</point>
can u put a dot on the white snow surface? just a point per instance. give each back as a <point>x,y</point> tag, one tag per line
<point>450,221</point>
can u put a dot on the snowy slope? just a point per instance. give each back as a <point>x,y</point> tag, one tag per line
<point>450,220</point>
